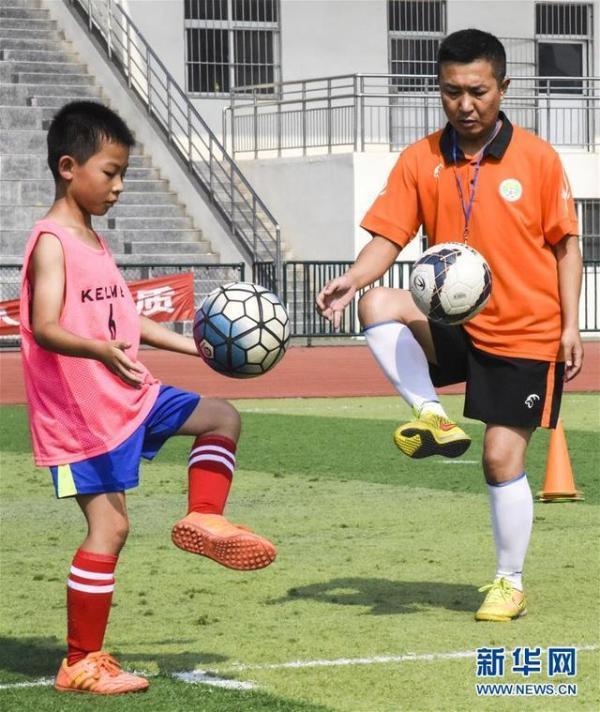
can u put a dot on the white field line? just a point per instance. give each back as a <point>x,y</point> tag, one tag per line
<point>200,677</point>
<point>42,682</point>
<point>211,678</point>
<point>197,677</point>
<point>373,660</point>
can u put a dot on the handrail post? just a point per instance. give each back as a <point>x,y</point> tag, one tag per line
<point>189,135</point>
<point>211,169</point>
<point>254,243</point>
<point>548,134</point>
<point>329,138</point>
<point>232,202</point>
<point>279,129</point>
<point>304,118</point>
<point>148,79</point>
<point>427,90</point>
<point>128,52</point>
<point>362,114</point>
<point>224,126</point>
<point>255,126</point>
<point>355,103</point>
<point>109,30</point>
<point>169,110</point>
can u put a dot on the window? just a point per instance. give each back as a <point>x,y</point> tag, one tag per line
<point>564,39</point>
<point>416,28</point>
<point>231,43</point>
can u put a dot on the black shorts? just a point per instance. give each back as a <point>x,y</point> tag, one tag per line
<point>501,390</point>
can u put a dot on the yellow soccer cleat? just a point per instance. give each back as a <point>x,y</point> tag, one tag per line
<point>431,434</point>
<point>503,602</point>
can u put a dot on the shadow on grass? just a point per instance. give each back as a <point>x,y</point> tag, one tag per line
<point>41,657</point>
<point>387,597</point>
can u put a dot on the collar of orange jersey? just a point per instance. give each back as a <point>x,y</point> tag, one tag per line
<point>496,148</point>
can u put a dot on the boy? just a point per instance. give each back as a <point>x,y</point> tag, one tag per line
<point>503,191</point>
<point>94,409</point>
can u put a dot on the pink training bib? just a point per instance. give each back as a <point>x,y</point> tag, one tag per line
<point>77,407</point>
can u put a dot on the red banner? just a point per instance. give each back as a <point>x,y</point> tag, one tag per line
<point>169,298</point>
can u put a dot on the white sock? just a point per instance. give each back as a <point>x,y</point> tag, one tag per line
<point>511,506</point>
<point>403,361</point>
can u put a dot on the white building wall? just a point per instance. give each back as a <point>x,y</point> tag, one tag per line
<point>313,201</point>
<point>161,23</point>
<point>321,38</point>
<point>503,18</point>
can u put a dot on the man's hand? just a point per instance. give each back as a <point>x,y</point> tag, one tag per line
<point>572,350</point>
<point>112,355</point>
<point>334,298</point>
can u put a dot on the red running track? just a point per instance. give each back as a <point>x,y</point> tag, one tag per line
<point>305,372</point>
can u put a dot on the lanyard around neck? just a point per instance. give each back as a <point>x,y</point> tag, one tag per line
<point>467,206</point>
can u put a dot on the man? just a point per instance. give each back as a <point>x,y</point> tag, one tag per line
<point>502,190</point>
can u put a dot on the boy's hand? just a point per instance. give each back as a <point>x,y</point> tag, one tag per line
<point>572,350</point>
<point>334,298</point>
<point>112,355</point>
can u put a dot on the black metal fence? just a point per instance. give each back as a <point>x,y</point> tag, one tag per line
<point>301,282</point>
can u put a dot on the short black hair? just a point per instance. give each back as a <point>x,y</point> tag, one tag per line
<point>78,130</point>
<point>466,46</point>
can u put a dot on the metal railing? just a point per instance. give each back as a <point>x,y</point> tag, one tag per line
<point>302,281</point>
<point>362,112</point>
<point>209,165</point>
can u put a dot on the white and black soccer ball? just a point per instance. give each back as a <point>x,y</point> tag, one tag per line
<point>451,282</point>
<point>241,330</point>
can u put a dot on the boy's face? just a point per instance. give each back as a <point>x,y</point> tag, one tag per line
<point>96,184</point>
<point>471,98</point>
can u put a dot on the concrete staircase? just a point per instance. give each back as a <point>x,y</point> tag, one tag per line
<point>39,72</point>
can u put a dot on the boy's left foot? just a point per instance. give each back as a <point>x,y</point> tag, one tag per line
<point>502,603</point>
<point>213,536</point>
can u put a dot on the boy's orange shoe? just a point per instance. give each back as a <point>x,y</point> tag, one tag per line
<point>213,536</point>
<point>100,674</point>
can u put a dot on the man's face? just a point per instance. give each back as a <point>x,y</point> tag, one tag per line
<point>97,183</point>
<point>471,98</point>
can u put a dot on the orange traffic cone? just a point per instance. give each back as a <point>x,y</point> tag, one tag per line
<point>559,483</point>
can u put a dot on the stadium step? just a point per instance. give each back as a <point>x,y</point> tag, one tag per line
<point>39,72</point>
<point>158,248</point>
<point>23,167</point>
<point>30,94</point>
<point>36,56</point>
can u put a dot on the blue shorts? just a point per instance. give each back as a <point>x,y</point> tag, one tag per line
<point>118,470</point>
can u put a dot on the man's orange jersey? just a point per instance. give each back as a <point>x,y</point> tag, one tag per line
<point>522,207</point>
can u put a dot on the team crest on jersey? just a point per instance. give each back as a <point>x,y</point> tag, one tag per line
<point>511,189</point>
<point>437,170</point>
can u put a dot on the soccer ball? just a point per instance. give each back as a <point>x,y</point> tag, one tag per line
<point>241,330</point>
<point>450,283</point>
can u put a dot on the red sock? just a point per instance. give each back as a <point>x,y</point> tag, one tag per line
<point>211,465</point>
<point>89,594</point>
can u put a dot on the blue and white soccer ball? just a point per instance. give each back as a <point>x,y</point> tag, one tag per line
<point>241,330</point>
<point>451,282</point>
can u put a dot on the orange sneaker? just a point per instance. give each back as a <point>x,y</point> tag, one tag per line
<point>100,674</point>
<point>213,536</point>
